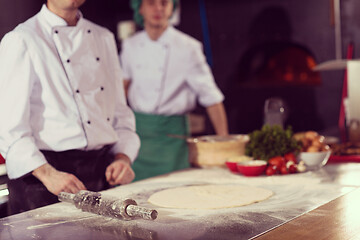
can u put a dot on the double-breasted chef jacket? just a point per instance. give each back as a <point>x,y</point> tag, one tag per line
<point>61,89</point>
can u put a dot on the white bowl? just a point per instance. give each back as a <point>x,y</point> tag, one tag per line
<point>314,160</point>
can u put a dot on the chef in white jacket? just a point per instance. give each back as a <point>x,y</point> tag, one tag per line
<point>165,74</point>
<point>64,124</point>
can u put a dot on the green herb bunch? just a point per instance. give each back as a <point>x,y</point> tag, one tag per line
<point>271,141</point>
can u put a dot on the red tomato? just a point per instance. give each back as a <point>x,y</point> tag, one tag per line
<point>284,170</point>
<point>2,160</point>
<point>277,161</point>
<point>292,168</point>
<point>270,170</point>
<point>290,157</point>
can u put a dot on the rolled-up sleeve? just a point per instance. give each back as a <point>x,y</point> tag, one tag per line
<point>201,80</point>
<point>16,82</point>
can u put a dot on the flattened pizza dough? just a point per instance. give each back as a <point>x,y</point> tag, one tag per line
<point>209,196</point>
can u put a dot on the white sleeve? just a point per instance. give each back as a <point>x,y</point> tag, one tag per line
<point>16,82</point>
<point>201,80</point>
<point>125,58</point>
<point>124,119</point>
<point>124,124</point>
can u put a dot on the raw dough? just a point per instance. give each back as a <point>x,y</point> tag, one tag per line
<point>209,196</point>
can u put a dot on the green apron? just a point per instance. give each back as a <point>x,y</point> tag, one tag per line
<point>161,151</point>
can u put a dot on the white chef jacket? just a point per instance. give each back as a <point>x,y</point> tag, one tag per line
<point>169,75</point>
<point>60,89</point>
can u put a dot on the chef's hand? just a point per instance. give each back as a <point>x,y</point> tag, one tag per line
<point>120,171</point>
<point>57,181</point>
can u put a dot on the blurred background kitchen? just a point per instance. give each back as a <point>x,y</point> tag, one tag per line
<point>257,49</point>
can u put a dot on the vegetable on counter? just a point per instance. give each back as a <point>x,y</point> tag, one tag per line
<point>311,141</point>
<point>284,165</point>
<point>271,141</point>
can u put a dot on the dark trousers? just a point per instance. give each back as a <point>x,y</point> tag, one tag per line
<point>27,192</point>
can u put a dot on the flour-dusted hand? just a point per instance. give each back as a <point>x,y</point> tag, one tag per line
<point>120,171</point>
<point>57,181</point>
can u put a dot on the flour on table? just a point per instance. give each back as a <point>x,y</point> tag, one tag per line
<point>209,196</point>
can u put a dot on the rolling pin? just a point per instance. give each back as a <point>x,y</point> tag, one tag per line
<point>94,202</point>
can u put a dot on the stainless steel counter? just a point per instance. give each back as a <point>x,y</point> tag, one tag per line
<point>295,195</point>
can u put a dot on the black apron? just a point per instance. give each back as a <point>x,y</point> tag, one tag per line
<point>27,192</point>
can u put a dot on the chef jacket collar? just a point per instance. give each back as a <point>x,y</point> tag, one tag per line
<point>54,20</point>
<point>165,38</point>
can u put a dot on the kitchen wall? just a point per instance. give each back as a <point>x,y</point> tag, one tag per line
<point>232,30</point>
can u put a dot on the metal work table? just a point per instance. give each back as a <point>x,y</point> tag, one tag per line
<point>296,196</point>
